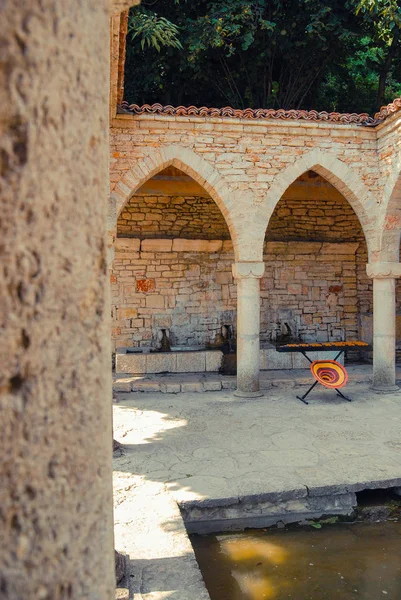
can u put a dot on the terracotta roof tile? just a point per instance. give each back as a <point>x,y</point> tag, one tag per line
<point>264,113</point>
<point>388,110</point>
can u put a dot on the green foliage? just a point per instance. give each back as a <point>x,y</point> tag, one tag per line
<point>322,54</point>
<point>385,14</point>
<point>321,522</point>
<point>153,31</point>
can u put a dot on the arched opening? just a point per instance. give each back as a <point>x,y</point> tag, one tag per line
<point>315,286</point>
<point>172,267</point>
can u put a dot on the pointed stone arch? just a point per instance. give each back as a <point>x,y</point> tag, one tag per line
<point>190,163</point>
<point>390,225</point>
<point>342,177</point>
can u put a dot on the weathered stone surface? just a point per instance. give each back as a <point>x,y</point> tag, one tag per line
<point>165,362</point>
<point>56,503</point>
<point>191,362</point>
<point>187,217</point>
<point>204,519</point>
<point>145,385</point>
<point>260,186</point>
<point>384,270</point>
<point>170,388</point>
<point>122,385</point>
<point>180,245</point>
<point>155,302</point>
<point>127,313</point>
<point>156,245</point>
<point>128,244</point>
<point>213,360</point>
<point>130,363</point>
<point>271,359</point>
<point>145,285</point>
<point>212,386</point>
<point>344,248</point>
<point>192,386</point>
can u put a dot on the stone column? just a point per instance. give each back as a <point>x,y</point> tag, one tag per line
<point>247,275</point>
<point>384,324</point>
<point>56,522</point>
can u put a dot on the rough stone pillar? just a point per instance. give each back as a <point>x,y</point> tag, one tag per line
<point>247,275</point>
<point>56,527</point>
<point>384,324</point>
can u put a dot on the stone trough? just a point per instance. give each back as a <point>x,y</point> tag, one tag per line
<point>143,361</point>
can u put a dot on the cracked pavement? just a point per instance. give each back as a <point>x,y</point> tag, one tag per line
<point>197,448</point>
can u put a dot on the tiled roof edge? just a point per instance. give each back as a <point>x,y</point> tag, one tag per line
<point>264,113</point>
<point>388,110</point>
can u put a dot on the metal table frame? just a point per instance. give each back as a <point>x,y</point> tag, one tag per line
<point>302,398</point>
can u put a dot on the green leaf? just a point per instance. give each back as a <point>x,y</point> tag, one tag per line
<point>329,520</point>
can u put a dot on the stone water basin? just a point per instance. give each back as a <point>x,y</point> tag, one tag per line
<point>202,359</point>
<point>189,359</point>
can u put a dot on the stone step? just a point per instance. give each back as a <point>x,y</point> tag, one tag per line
<point>213,382</point>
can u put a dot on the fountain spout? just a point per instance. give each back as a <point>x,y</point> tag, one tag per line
<point>227,333</point>
<point>165,345</point>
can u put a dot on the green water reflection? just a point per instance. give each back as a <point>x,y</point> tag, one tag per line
<point>337,562</point>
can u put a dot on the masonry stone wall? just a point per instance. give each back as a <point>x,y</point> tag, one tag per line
<point>182,285</point>
<point>310,287</point>
<point>249,167</point>
<point>312,209</point>
<point>389,153</point>
<point>194,217</point>
<point>246,166</point>
<point>157,284</point>
<point>315,279</point>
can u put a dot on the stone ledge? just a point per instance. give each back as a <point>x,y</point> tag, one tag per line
<point>174,383</point>
<point>130,244</point>
<point>266,509</point>
<point>127,244</point>
<point>183,245</point>
<point>157,245</point>
<point>209,519</point>
<point>353,487</point>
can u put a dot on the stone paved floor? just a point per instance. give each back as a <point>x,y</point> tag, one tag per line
<point>191,447</point>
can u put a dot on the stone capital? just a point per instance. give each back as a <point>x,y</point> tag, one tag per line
<point>244,270</point>
<point>384,270</point>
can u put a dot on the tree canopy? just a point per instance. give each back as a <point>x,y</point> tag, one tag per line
<point>342,55</point>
